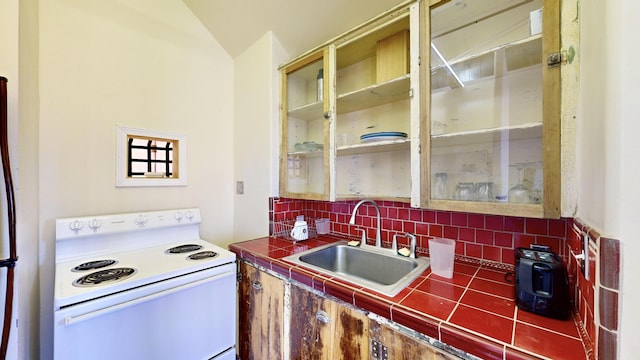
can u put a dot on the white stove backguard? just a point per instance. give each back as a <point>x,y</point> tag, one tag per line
<point>89,236</point>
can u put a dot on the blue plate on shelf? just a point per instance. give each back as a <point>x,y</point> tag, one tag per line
<point>384,135</point>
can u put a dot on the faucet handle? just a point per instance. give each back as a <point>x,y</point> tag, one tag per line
<point>413,245</point>
<point>394,243</point>
<point>412,239</point>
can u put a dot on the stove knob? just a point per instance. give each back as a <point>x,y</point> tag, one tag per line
<point>189,215</point>
<point>178,216</point>
<point>141,220</point>
<point>95,224</point>
<point>76,226</point>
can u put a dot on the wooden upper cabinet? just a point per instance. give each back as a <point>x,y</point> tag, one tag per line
<point>491,114</point>
<point>304,153</point>
<point>365,122</point>
<point>376,114</point>
<point>445,105</point>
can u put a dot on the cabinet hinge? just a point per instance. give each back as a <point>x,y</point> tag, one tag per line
<point>239,277</point>
<point>557,59</point>
<point>379,351</point>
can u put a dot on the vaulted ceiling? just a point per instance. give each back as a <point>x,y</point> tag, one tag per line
<point>298,24</point>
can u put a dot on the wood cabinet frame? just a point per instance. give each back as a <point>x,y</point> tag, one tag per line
<point>550,205</point>
<point>323,54</point>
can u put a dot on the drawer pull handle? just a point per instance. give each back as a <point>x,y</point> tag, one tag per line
<point>323,317</point>
<point>256,285</point>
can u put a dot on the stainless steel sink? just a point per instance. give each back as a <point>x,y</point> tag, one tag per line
<point>374,268</point>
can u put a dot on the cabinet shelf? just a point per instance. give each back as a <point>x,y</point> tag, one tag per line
<point>374,95</point>
<point>307,154</point>
<point>379,146</point>
<point>516,55</point>
<point>307,112</point>
<point>515,132</point>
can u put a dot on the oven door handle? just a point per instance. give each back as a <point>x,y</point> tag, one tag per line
<point>70,320</point>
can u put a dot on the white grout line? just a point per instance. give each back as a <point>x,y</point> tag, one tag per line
<point>463,293</point>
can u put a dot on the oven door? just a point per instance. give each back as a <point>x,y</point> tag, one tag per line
<point>187,317</point>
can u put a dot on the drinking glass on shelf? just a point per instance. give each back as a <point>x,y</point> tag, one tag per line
<point>440,188</point>
<point>464,191</point>
<point>520,194</point>
<point>483,191</point>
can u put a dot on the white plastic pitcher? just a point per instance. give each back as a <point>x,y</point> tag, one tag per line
<point>323,226</point>
<point>441,253</point>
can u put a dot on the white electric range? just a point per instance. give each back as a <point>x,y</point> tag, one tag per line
<point>142,285</point>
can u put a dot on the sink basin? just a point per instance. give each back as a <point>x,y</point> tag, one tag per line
<point>377,269</point>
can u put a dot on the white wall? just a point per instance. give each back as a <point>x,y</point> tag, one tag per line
<point>626,147</point>
<point>28,223</point>
<point>608,145</point>
<point>145,64</point>
<point>256,96</point>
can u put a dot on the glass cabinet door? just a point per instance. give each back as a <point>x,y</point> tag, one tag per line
<point>373,110</point>
<point>493,143</point>
<point>304,149</point>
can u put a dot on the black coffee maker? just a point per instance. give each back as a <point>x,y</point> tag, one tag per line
<point>542,286</point>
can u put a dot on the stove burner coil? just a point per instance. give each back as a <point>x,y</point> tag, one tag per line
<point>202,255</point>
<point>104,276</point>
<point>184,249</point>
<point>93,265</point>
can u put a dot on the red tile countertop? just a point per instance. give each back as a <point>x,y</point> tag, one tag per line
<point>475,311</point>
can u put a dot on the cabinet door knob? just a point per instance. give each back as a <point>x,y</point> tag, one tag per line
<point>327,115</point>
<point>323,317</point>
<point>256,285</point>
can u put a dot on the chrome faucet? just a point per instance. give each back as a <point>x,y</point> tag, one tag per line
<point>352,221</point>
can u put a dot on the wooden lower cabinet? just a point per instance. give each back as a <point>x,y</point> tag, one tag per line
<point>314,327</point>
<point>260,315</point>
<point>321,328</point>
<point>400,346</point>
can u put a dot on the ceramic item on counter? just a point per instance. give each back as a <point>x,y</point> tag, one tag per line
<point>300,230</point>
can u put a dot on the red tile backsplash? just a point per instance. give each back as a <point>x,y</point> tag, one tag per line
<point>601,326</point>
<point>514,224</point>
<point>487,237</point>
<point>610,254</point>
<point>608,306</point>
<point>492,239</point>
<point>607,346</point>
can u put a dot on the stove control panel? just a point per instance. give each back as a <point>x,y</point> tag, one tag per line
<point>116,223</point>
